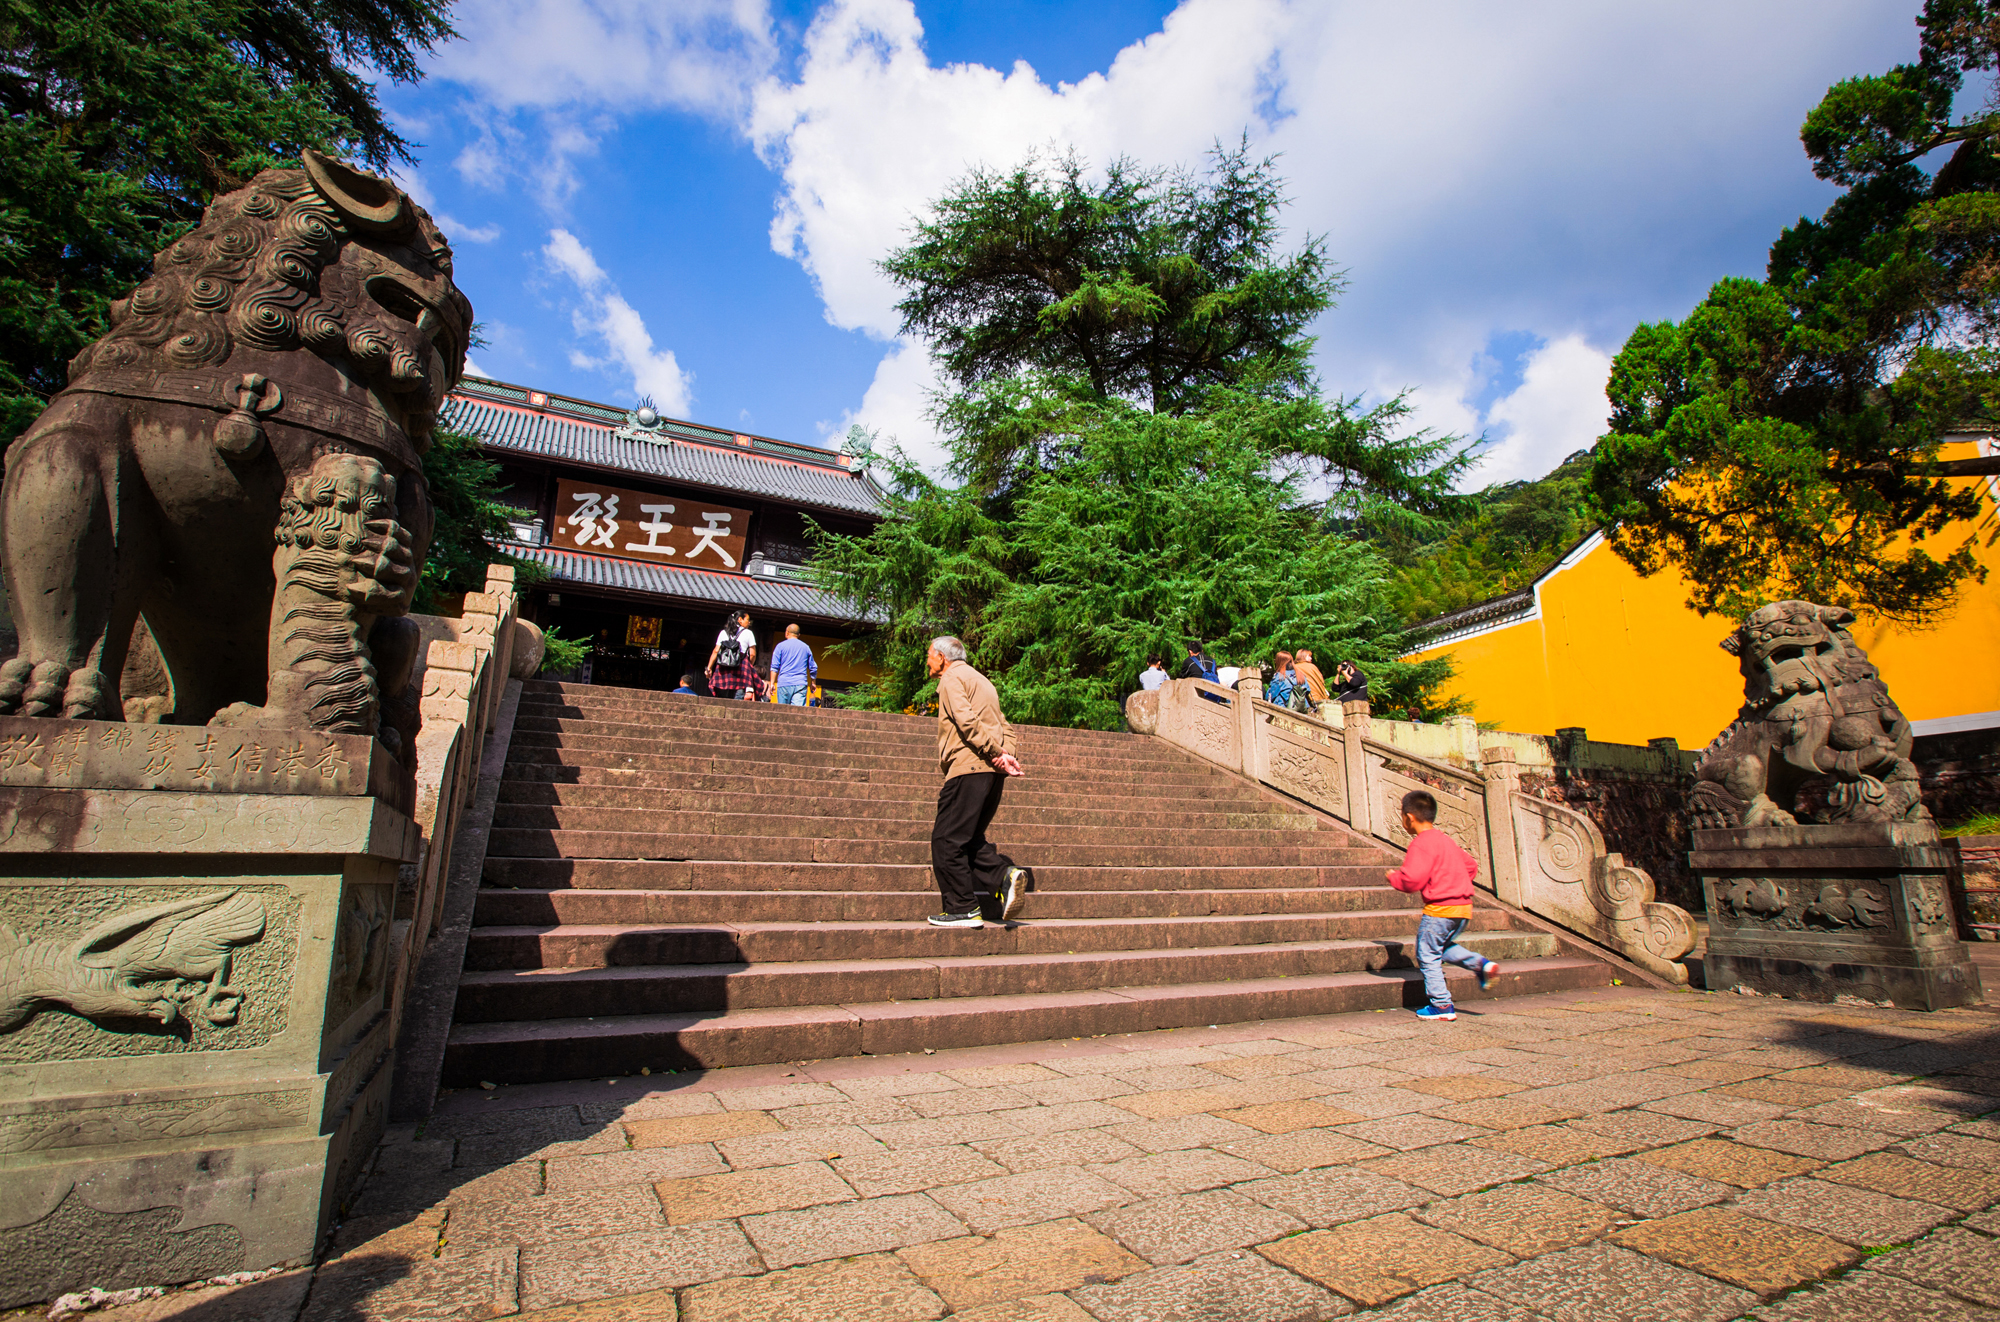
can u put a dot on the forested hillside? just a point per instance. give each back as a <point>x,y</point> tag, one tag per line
<point>1511,532</point>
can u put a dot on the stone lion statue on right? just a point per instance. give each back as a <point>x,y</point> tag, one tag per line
<point>1814,709</point>
<point>276,380</point>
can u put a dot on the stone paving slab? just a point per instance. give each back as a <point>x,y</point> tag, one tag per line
<point>1610,1156</point>
<point>1374,1261</point>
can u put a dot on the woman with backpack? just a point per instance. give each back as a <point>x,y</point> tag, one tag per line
<point>732,663</point>
<point>1279,691</point>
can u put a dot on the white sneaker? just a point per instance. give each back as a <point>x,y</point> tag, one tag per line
<point>1018,884</point>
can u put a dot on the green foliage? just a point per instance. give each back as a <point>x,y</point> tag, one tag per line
<point>1511,533</point>
<point>560,655</point>
<point>1155,529</point>
<point>464,486</point>
<point>1151,286</point>
<point>1781,441</point>
<point>124,118</point>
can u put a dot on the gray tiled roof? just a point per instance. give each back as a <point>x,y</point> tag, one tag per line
<point>752,592</point>
<point>564,438</point>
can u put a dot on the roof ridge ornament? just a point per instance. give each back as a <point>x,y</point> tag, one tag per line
<point>645,423</point>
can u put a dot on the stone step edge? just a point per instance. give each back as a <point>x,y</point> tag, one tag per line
<point>562,976</point>
<point>505,1051</point>
<point>1142,922</point>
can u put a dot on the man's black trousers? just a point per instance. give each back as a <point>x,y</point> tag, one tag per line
<point>967,866</point>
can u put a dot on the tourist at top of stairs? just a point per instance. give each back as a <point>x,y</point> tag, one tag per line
<point>732,662</point>
<point>1307,673</point>
<point>793,669</point>
<point>976,755</point>
<point>1436,868</point>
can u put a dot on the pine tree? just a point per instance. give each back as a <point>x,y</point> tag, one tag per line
<point>1783,440</point>
<point>1157,529</point>
<point>124,118</point>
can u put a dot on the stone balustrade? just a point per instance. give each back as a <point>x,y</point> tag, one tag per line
<point>1535,855</point>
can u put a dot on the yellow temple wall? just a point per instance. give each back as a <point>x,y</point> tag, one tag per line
<point>1627,659</point>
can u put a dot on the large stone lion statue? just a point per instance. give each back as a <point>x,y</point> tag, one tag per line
<point>277,377</point>
<point>1814,710</point>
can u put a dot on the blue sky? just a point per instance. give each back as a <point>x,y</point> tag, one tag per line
<point>686,198</point>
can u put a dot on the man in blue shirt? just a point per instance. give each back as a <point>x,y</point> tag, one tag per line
<point>792,668</point>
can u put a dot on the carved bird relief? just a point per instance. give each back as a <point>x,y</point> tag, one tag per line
<point>165,962</point>
<point>1840,907</point>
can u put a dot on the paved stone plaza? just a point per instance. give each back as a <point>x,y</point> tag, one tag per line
<point>1598,1157</point>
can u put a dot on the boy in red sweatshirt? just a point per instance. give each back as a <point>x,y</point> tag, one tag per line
<point>1437,869</point>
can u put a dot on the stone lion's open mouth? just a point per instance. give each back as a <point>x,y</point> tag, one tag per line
<point>402,302</point>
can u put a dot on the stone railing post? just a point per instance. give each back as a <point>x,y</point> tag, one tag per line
<point>1354,725</point>
<point>1250,743</point>
<point>1503,778</point>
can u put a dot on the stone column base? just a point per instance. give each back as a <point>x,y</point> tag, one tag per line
<point>1820,912</point>
<point>195,1026</point>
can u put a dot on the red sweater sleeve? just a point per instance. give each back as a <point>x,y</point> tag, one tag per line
<point>1418,864</point>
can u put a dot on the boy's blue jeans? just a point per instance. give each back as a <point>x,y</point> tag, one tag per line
<point>1437,944</point>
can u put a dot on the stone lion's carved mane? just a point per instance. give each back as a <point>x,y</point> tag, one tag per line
<point>254,272</point>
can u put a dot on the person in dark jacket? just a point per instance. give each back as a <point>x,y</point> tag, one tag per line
<point>1349,684</point>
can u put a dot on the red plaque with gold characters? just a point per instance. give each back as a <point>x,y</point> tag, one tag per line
<point>642,631</point>
<point>668,530</point>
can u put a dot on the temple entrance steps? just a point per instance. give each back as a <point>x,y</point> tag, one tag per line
<point>677,882</point>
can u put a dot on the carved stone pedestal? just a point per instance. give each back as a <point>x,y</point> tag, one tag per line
<point>194,1040</point>
<point>1817,912</point>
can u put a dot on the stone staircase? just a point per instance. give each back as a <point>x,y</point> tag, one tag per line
<point>676,882</point>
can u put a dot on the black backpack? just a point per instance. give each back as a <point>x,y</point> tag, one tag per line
<point>729,653</point>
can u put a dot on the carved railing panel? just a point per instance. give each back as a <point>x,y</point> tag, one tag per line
<point>1305,767</point>
<point>1461,801</point>
<point>1568,876</point>
<point>1539,856</point>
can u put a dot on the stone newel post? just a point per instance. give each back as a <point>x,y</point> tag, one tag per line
<point>1354,721</point>
<point>1503,778</point>
<point>1249,688</point>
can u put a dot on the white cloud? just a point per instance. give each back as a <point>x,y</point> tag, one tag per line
<point>871,132</point>
<point>412,182</point>
<point>602,314</point>
<point>895,407</point>
<point>1558,409</point>
<point>1560,169</point>
<point>621,55</point>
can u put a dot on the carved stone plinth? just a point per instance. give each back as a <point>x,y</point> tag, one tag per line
<point>1817,912</point>
<point>195,929</point>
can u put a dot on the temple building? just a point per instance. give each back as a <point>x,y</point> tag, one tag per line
<point>653,529</point>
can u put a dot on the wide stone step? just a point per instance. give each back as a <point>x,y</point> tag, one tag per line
<point>550,908</point>
<point>1030,852</point>
<point>713,755</point>
<point>606,945</point>
<point>816,801</point>
<point>914,877</point>
<point>827,742</point>
<point>1055,825</point>
<point>646,706</point>
<point>531,1051</point>
<point>755,761</point>
<point>499,995</point>
<point>540,782</point>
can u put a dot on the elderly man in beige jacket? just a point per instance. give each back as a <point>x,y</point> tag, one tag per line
<point>976,754</point>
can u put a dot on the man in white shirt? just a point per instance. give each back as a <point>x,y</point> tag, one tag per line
<point>1154,675</point>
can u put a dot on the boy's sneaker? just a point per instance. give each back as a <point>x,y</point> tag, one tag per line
<point>957,919</point>
<point>1487,973</point>
<point>1018,884</point>
<point>1428,1012</point>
